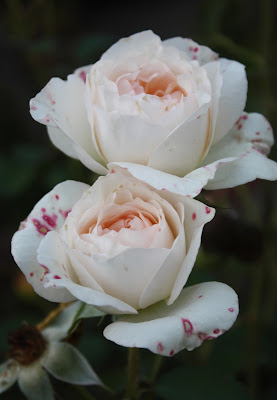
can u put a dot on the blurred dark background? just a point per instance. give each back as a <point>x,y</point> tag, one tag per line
<point>40,39</point>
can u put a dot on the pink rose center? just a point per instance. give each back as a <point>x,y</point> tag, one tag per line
<point>154,79</point>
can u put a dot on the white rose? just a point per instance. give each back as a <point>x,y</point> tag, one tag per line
<point>171,106</point>
<point>126,249</point>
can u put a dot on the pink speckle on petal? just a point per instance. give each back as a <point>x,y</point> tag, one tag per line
<point>31,274</point>
<point>231,309</point>
<point>57,197</point>
<point>42,229</point>
<point>202,336</point>
<point>187,326</point>
<point>50,220</point>
<point>244,117</point>
<point>195,49</point>
<point>64,213</point>
<point>112,171</point>
<point>57,277</point>
<point>160,347</point>
<point>216,331</point>
<point>83,76</point>
<point>199,297</point>
<point>33,108</point>
<point>257,133</point>
<point>193,216</point>
<point>208,210</point>
<point>239,127</point>
<point>163,188</point>
<point>171,353</point>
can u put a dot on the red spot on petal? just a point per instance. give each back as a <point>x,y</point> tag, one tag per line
<point>43,209</point>
<point>239,127</point>
<point>244,117</point>
<point>83,76</point>
<point>57,197</point>
<point>160,347</point>
<point>193,216</point>
<point>33,108</point>
<point>195,49</point>
<point>199,297</point>
<point>208,210</point>
<point>216,331</point>
<point>257,133</point>
<point>171,353</point>
<point>202,336</point>
<point>41,229</point>
<point>231,309</point>
<point>191,48</point>
<point>57,277</point>
<point>50,220</point>
<point>112,171</point>
<point>163,188</point>
<point>187,326</point>
<point>31,274</point>
<point>256,140</point>
<point>64,213</point>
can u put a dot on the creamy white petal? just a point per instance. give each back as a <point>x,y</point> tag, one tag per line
<point>193,50</point>
<point>189,186</point>
<point>61,105</point>
<point>34,383</point>
<point>201,312</point>
<point>185,147</point>
<point>67,364</point>
<point>141,43</point>
<point>248,142</point>
<point>52,255</point>
<point>48,214</point>
<point>232,97</point>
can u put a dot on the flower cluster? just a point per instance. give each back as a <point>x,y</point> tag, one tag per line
<point>162,120</point>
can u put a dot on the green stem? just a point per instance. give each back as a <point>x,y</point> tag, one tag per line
<point>83,393</point>
<point>132,391</point>
<point>155,368</point>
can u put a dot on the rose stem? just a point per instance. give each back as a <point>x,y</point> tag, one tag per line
<point>52,315</point>
<point>132,391</point>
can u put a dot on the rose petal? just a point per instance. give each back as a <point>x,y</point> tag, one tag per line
<point>48,214</point>
<point>192,49</point>
<point>137,45</point>
<point>203,311</point>
<point>185,147</point>
<point>249,141</point>
<point>52,254</point>
<point>189,186</point>
<point>233,96</point>
<point>67,364</point>
<point>60,105</point>
<point>34,383</point>
<point>125,137</point>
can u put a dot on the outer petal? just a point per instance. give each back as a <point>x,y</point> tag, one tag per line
<point>9,371</point>
<point>249,142</point>
<point>34,383</point>
<point>48,214</point>
<point>61,106</point>
<point>67,364</point>
<point>233,96</point>
<point>189,186</point>
<point>203,311</point>
<point>185,147</point>
<point>145,42</point>
<point>125,137</point>
<point>52,254</point>
<point>192,49</point>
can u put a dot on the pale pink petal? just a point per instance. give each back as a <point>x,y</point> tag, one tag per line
<point>185,147</point>
<point>52,254</point>
<point>192,49</point>
<point>201,312</point>
<point>61,105</point>
<point>232,98</point>
<point>248,142</point>
<point>48,214</point>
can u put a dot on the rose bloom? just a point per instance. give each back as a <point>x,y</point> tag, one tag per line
<point>126,248</point>
<point>171,112</point>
